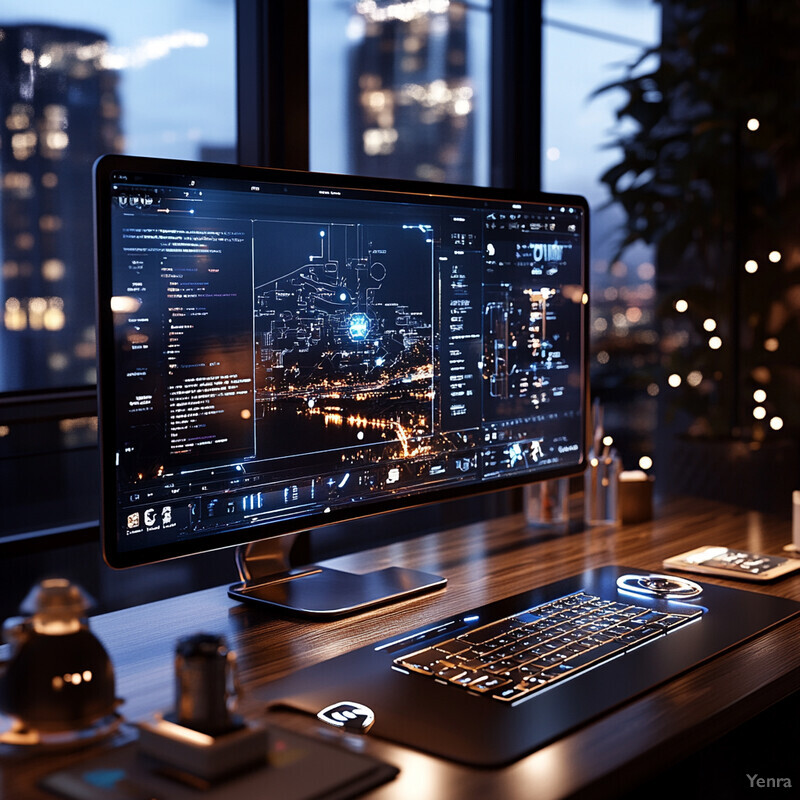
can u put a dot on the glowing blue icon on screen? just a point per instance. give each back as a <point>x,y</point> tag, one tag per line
<point>359,327</point>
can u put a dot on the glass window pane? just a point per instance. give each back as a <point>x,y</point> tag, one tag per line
<point>77,80</point>
<point>586,45</point>
<point>400,89</point>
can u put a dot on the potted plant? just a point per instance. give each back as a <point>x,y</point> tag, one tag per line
<point>709,175</point>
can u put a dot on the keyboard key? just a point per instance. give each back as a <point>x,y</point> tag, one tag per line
<point>673,620</point>
<point>510,693</point>
<point>552,658</point>
<point>651,617</point>
<point>465,679</point>
<point>474,664</point>
<point>596,654</point>
<point>487,632</point>
<point>447,673</point>
<point>452,647</point>
<point>490,684</point>
<point>524,672</point>
<point>528,618</point>
<point>424,660</point>
<point>558,671</point>
<point>642,634</point>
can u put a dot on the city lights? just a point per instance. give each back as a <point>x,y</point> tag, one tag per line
<point>715,342</point>
<point>646,271</point>
<point>379,141</point>
<point>401,11</point>
<point>53,269</point>
<point>681,306</point>
<point>17,181</point>
<point>709,324</point>
<point>751,266</point>
<point>674,380</point>
<point>694,378</point>
<point>759,395</point>
<point>14,317</point>
<point>753,124</point>
<point>759,412</point>
<point>53,316</point>
<point>775,256</point>
<point>645,462</point>
<point>776,423</point>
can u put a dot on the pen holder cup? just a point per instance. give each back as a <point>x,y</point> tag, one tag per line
<point>601,490</point>
<point>546,503</point>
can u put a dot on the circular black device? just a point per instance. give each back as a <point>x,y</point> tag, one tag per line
<point>667,587</point>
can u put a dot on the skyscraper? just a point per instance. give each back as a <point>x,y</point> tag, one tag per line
<point>412,104</point>
<point>59,110</point>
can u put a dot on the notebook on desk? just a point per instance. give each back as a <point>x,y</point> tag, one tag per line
<point>492,684</point>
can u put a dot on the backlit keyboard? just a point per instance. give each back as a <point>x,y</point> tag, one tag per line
<point>513,658</point>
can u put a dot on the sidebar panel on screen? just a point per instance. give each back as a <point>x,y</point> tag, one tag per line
<point>184,328</point>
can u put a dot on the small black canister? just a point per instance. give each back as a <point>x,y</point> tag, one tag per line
<point>205,684</point>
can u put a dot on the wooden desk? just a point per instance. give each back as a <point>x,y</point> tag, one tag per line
<point>484,562</point>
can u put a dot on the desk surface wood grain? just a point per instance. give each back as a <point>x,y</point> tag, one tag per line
<point>484,562</point>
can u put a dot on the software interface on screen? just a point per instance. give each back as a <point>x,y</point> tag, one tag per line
<point>287,350</point>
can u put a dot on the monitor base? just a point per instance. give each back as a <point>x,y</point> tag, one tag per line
<point>319,592</point>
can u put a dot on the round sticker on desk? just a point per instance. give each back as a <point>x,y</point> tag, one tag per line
<point>353,717</point>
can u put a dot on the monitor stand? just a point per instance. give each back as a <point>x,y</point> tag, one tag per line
<point>320,592</point>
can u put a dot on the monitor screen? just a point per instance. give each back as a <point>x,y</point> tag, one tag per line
<point>281,350</point>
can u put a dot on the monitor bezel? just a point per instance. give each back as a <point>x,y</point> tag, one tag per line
<point>104,167</point>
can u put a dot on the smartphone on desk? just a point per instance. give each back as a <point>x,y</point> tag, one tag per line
<point>727,563</point>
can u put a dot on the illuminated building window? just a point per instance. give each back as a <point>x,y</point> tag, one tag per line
<point>54,142</point>
<point>24,241</point>
<point>10,269</point>
<point>14,316</point>
<point>20,117</point>
<point>36,310</point>
<point>53,317</point>
<point>23,145</point>
<point>53,269</point>
<point>19,182</point>
<point>50,223</point>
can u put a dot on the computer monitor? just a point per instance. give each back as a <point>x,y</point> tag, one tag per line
<point>282,350</point>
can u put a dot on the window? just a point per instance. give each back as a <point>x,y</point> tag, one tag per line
<point>78,80</point>
<point>583,50</point>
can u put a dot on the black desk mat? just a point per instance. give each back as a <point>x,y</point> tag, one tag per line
<point>451,722</point>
